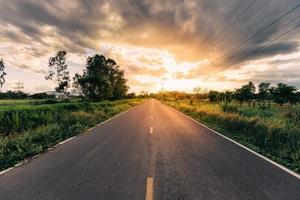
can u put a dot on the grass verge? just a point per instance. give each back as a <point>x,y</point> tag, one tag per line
<point>279,143</point>
<point>59,123</point>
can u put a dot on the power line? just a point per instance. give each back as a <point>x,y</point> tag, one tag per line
<point>236,16</point>
<point>257,11</point>
<point>260,31</point>
<point>221,24</point>
<point>241,13</point>
<point>287,23</point>
<point>265,45</point>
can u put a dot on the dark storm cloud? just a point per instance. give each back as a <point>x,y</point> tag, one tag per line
<point>198,27</point>
<point>274,76</point>
<point>72,22</point>
<point>257,52</point>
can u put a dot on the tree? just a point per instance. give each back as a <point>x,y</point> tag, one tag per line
<point>58,72</point>
<point>245,93</point>
<point>102,79</point>
<point>297,97</point>
<point>213,96</point>
<point>42,95</point>
<point>283,94</point>
<point>13,95</point>
<point>263,92</point>
<point>131,95</point>
<point>2,73</point>
<point>200,93</point>
<point>228,96</point>
<point>143,93</point>
<point>197,91</point>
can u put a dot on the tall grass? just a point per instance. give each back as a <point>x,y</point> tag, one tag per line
<point>25,117</point>
<point>29,130</point>
<point>275,132</point>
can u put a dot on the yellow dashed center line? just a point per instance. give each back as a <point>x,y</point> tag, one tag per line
<point>149,189</point>
<point>151,130</point>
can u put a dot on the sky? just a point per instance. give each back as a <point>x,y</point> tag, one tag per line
<point>212,44</point>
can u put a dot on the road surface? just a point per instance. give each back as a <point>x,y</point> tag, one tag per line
<point>150,152</point>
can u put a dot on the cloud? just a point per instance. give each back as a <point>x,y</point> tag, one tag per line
<point>160,72</point>
<point>281,68</point>
<point>257,52</point>
<point>30,68</point>
<point>179,26</point>
<point>155,37</point>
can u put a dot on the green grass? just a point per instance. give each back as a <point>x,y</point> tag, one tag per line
<point>27,130</point>
<point>274,132</point>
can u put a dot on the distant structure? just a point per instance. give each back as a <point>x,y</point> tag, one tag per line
<point>18,86</point>
<point>53,93</point>
<point>59,95</point>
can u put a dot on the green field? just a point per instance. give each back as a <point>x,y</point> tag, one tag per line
<point>29,127</point>
<point>274,132</point>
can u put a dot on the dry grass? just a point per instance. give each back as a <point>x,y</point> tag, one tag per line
<point>274,132</point>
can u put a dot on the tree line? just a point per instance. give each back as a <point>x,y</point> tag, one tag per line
<point>101,78</point>
<point>262,95</point>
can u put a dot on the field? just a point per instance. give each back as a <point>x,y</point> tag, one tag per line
<point>273,132</point>
<point>29,127</point>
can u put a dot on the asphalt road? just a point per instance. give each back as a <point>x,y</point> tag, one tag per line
<point>149,152</point>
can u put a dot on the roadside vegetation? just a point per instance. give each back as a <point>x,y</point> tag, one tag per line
<point>268,123</point>
<point>31,123</point>
<point>27,130</point>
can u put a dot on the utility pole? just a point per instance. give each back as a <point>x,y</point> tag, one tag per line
<point>18,87</point>
<point>162,91</point>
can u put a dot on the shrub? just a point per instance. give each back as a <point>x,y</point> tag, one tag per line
<point>30,130</point>
<point>264,130</point>
<point>229,107</point>
<point>293,113</point>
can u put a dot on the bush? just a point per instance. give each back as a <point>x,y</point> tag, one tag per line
<point>293,113</point>
<point>22,118</point>
<point>30,130</point>
<point>229,107</point>
<point>14,149</point>
<point>273,137</point>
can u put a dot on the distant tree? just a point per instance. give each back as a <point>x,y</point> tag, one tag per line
<point>245,93</point>
<point>197,91</point>
<point>143,93</point>
<point>297,97</point>
<point>2,73</point>
<point>58,72</point>
<point>200,93</point>
<point>213,96</point>
<point>42,95</point>
<point>191,101</point>
<point>102,79</point>
<point>283,94</point>
<point>228,96</point>
<point>178,95</point>
<point>263,92</point>
<point>131,95</point>
<point>13,95</point>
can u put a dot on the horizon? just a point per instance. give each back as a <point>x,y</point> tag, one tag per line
<point>185,45</point>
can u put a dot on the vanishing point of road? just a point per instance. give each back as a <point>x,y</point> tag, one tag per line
<point>149,152</point>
